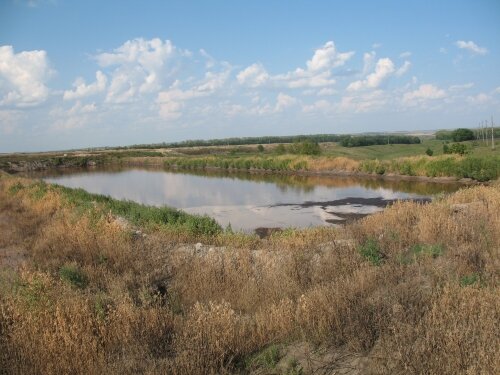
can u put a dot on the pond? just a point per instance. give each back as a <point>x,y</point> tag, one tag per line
<point>248,201</point>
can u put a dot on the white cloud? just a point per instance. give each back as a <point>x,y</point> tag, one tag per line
<point>284,101</point>
<point>471,47</point>
<point>405,55</point>
<point>403,69</point>
<point>139,67</point>
<point>383,69</point>
<point>443,50</point>
<point>171,101</point>
<point>376,45</point>
<point>301,78</point>
<point>22,77</point>
<point>327,57</point>
<point>480,98</point>
<point>497,90</point>
<point>255,75</point>
<point>318,71</point>
<point>82,90</point>
<point>423,93</point>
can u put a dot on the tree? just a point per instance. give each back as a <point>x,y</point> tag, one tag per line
<point>462,134</point>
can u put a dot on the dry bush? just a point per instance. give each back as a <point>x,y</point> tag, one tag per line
<point>212,338</point>
<point>333,164</point>
<point>458,334</point>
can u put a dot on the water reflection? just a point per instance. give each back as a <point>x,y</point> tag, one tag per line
<point>246,200</point>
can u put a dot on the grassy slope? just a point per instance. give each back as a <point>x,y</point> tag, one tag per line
<point>94,299</point>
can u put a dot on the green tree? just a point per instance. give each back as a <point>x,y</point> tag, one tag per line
<point>462,134</point>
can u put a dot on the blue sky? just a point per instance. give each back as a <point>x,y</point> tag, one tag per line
<point>94,73</point>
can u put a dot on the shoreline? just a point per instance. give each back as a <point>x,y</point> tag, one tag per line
<point>39,165</point>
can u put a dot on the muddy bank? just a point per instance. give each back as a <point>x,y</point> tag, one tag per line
<point>26,165</point>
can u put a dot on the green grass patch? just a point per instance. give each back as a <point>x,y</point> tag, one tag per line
<point>140,214</point>
<point>370,250</point>
<point>14,189</point>
<point>468,280</point>
<point>73,275</point>
<point>267,358</point>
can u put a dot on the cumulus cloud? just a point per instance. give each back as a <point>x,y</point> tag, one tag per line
<point>255,75</point>
<point>171,101</point>
<point>383,69</point>
<point>318,71</point>
<point>327,57</point>
<point>22,77</point>
<point>425,92</point>
<point>284,101</point>
<point>140,67</point>
<point>471,47</point>
<point>82,89</point>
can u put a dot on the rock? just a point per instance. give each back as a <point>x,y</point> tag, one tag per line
<point>198,246</point>
<point>121,222</point>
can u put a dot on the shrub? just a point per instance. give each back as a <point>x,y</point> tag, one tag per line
<point>429,151</point>
<point>260,148</point>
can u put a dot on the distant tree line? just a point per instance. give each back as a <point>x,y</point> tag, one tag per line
<point>457,135</point>
<point>370,140</point>
<point>317,138</point>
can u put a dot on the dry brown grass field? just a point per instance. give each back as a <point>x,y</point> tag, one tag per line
<point>411,290</point>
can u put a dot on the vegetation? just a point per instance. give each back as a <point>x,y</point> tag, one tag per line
<point>455,148</point>
<point>461,134</point>
<point>93,297</point>
<point>370,140</point>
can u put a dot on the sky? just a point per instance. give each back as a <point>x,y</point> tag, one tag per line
<point>106,73</point>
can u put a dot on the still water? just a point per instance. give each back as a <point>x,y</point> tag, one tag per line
<point>249,201</point>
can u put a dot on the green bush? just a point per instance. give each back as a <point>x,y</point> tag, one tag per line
<point>429,151</point>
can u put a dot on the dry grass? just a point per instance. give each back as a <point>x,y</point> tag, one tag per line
<point>333,164</point>
<point>414,288</point>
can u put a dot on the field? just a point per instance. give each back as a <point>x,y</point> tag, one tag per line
<point>126,289</point>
